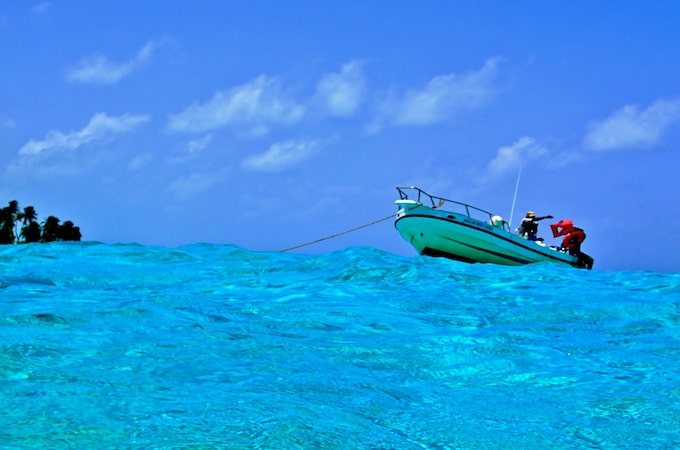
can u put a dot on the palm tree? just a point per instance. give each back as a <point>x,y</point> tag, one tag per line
<point>68,232</point>
<point>6,226</point>
<point>50,229</point>
<point>8,217</point>
<point>31,232</point>
<point>28,217</point>
<point>13,208</point>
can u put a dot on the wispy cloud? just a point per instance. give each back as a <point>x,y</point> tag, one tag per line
<point>631,128</point>
<point>252,107</point>
<point>510,158</point>
<point>196,145</point>
<point>282,155</point>
<point>440,99</point>
<point>101,127</point>
<point>100,70</point>
<point>58,155</point>
<point>343,92</point>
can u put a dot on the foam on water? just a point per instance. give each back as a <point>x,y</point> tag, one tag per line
<point>214,346</point>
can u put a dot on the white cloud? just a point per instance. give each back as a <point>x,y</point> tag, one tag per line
<point>282,155</point>
<point>510,158</point>
<point>254,107</point>
<point>564,159</point>
<point>99,70</point>
<point>101,127</point>
<point>341,93</point>
<point>630,128</point>
<point>196,145</point>
<point>440,99</point>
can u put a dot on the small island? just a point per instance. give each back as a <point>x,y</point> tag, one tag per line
<point>19,226</point>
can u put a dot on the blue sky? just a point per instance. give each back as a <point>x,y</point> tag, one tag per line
<point>270,124</point>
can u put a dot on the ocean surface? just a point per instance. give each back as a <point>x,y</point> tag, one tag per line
<point>214,346</point>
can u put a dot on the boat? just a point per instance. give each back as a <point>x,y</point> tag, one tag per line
<point>440,227</point>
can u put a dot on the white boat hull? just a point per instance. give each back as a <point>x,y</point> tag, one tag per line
<point>436,232</point>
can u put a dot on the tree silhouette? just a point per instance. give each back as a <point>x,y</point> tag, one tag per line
<point>7,225</point>
<point>13,208</point>
<point>68,232</point>
<point>50,230</point>
<point>31,231</point>
<point>28,215</point>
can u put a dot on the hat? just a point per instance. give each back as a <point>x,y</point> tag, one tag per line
<point>530,214</point>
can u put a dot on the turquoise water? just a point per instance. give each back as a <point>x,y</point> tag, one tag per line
<point>214,346</point>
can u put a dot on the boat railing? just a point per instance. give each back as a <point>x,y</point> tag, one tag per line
<point>435,202</point>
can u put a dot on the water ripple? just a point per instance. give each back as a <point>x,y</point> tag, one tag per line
<point>214,346</point>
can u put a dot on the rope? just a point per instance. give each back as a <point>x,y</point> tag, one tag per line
<point>340,234</point>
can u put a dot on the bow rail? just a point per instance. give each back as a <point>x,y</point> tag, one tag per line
<point>435,202</point>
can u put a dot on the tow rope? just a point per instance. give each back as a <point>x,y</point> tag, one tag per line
<point>341,233</point>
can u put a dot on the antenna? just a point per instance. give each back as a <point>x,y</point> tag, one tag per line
<point>514,198</point>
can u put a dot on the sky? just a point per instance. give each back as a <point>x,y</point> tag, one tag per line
<point>271,124</point>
